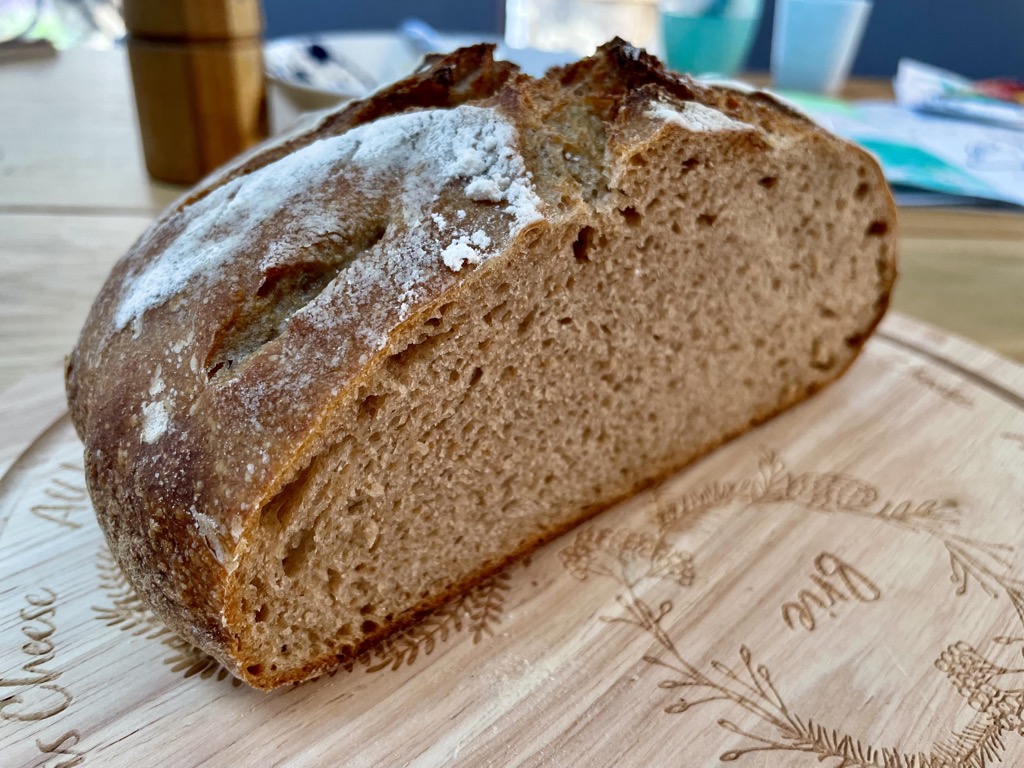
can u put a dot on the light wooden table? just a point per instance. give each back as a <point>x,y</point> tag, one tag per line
<point>74,195</point>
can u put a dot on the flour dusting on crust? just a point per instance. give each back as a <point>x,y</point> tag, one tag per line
<point>405,160</point>
<point>155,420</point>
<point>697,117</point>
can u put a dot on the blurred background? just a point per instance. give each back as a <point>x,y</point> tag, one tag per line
<point>934,88</point>
<point>977,38</point>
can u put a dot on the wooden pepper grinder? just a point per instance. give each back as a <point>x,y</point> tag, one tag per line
<point>197,68</point>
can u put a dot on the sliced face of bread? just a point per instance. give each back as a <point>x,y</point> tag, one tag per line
<point>362,370</point>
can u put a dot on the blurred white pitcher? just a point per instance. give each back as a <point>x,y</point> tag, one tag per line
<point>580,25</point>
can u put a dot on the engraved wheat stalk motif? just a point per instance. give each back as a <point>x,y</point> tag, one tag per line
<point>478,612</point>
<point>130,614</point>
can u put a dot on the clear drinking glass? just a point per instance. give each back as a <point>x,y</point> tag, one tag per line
<point>709,36</point>
<point>579,25</point>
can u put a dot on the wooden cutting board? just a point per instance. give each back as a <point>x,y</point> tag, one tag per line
<point>843,587</point>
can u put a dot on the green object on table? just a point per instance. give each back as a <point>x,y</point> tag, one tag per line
<point>817,104</point>
<point>913,166</point>
<point>709,38</point>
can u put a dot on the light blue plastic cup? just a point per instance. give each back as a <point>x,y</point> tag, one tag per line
<point>814,43</point>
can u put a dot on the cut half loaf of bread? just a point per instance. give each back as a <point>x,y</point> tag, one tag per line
<point>363,369</point>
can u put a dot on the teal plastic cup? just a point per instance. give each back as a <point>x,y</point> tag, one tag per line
<point>709,36</point>
<point>814,43</point>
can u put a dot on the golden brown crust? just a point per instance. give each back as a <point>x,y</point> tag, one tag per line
<point>239,414</point>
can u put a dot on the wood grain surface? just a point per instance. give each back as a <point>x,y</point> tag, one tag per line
<point>843,586</point>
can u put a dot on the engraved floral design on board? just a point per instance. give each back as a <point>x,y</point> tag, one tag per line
<point>971,560</point>
<point>761,714</point>
<point>994,692</point>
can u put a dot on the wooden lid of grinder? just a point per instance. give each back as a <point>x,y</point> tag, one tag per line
<point>193,19</point>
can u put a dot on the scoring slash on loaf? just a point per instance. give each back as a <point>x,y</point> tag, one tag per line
<point>361,370</point>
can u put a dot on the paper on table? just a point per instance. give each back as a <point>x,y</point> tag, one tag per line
<point>925,88</point>
<point>955,157</point>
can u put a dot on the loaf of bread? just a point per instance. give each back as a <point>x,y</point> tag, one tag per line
<point>363,369</point>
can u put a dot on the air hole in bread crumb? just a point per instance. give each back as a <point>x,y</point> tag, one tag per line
<point>370,405</point>
<point>565,321</point>
<point>688,164</point>
<point>877,228</point>
<point>298,554</point>
<point>633,219</point>
<point>261,614</point>
<point>821,357</point>
<point>254,669</point>
<point>526,322</point>
<point>453,376</point>
<point>676,229</point>
<point>477,375</point>
<point>581,248</point>
<point>861,191</point>
<point>369,626</point>
<point>638,160</point>
<point>768,181</point>
<point>496,313</point>
<point>333,581</point>
<point>707,219</point>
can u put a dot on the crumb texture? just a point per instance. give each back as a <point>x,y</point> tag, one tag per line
<point>443,337</point>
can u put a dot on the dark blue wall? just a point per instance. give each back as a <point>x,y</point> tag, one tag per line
<point>286,17</point>
<point>980,38</point>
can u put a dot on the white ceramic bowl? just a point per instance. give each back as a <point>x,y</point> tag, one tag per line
<point>352,64</point>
